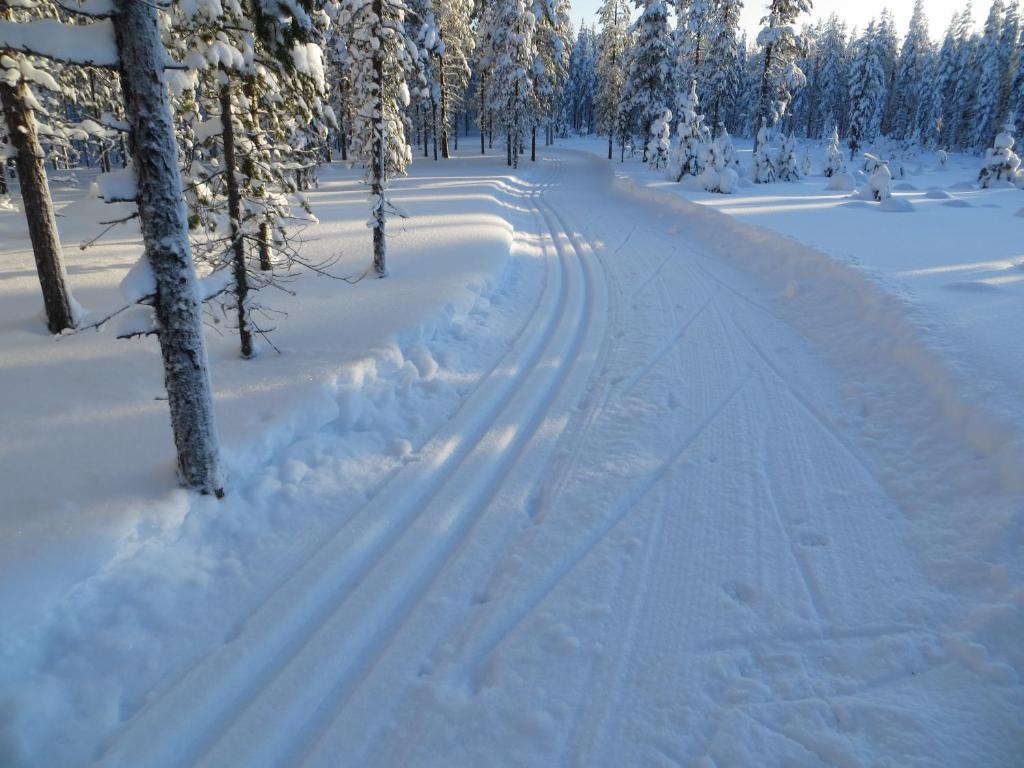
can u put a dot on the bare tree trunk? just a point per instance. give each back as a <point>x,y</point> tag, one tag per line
<point>165,234</point>
<point>483,87</point>
<point>533,144</point>
<point>35,193</point>
<point>444,114</point>
<point>235,214</point>
<point>433,124</point>
<point>377,169</point>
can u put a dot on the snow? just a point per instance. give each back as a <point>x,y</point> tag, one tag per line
<point>91,43</point>
<point>609,471</point>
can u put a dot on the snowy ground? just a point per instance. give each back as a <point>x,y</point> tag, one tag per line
<point>599,477</point>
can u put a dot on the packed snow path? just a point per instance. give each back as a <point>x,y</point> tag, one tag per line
<point>673,525</point>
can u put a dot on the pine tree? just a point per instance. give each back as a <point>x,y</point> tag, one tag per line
<point>167,253</point>
<point>833,155</point>
<point>660,141</point>
<point>511,99</point>
<point>688,146</point>
<point>888,54</point>
<point>612,42</point>
<point>1009,56</point>
<point>867,90</point>
<point>723,61</point>
<point>986,118</point>
<point>647,92</point>
<point>780,75</point>
<point>911,85</point>
<point>18,74</point>
<point>833,75</point>
<point>788,167</point>
<point>382,60</point>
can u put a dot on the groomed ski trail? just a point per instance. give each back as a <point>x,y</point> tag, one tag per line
<point>654,534</point>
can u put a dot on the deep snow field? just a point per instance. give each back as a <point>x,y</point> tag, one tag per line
<point>607,472</point>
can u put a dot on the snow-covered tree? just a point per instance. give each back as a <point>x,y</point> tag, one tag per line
<point>788,166</point>
<point>911,88</point>
<point>647,92</point>
<point>612,42</point>
<point>833,77</point>
<point>833,155</point>
<point>511,99</point>
<point>20,76</point>
<point>688,146</point>
<point>167,259</point>
<point>986,118</point>
<point>551,37</point>
<point>867,90</point>
<point>720,172</point>
<point>766,157</point>
<point>382,59</point>
<point>723,65</point>
<point>659,143</point>
<point>1001,162</point>
<point>780,75</point>
<point>578,96</point>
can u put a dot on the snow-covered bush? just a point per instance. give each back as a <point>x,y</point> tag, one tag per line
<point>660,141</point>
<point>787,166</point>
<point>943,158</point>
<point>834,162</point>
<point>1001,163</point>
<point>877,187</point>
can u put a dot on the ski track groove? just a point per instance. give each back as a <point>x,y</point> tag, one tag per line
<point>386,614</point>
<point>194,676</point>
<point>565,373</point>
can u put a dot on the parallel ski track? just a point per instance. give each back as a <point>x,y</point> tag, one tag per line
<point>297,658</point>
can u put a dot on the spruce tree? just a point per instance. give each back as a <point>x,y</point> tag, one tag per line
<point>647,92</point>
<point>780,75</point>
<point>911,87</point>
<point>612,42</point>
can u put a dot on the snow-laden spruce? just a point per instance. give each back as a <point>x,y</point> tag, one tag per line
<point>660,142</point>
<point>688,145</point>
<point>647,92</point>
<point>1001,163</point>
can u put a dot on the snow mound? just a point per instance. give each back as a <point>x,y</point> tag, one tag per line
<point>937,194</point>
<point>957,204</point>
<point>841,182</point>
<point>896,205</point>
<point>961,186</point>
<point>904,187</point>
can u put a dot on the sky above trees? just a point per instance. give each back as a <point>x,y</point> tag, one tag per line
<point>859,13</point>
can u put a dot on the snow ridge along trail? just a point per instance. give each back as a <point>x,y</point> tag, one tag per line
<point>294,660</point>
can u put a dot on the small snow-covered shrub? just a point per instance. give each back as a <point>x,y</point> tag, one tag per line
<point>943,158</point>
<point>719,173</point>
<point>1001,163</point>
<point>787,168</point>
<point>766,159</point>
<point>877,187</point>
<point>834,162</point>
<point>658,146</point>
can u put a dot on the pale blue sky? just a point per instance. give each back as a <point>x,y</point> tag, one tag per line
<point>856,12</point>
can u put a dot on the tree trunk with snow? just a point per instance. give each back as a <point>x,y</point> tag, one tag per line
<point>377,169</point>
<point>235,214</point>
<point>165,234</point>
<point>444,112</point>
<point>35,193</point>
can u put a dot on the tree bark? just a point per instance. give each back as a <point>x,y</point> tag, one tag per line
<point>483,87</point>
<point>444,114</point>
<point>533,144</point>
<point>235,214</point>
<point>165,234</point>
<point>35,194</point>
<point>377,169</point>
